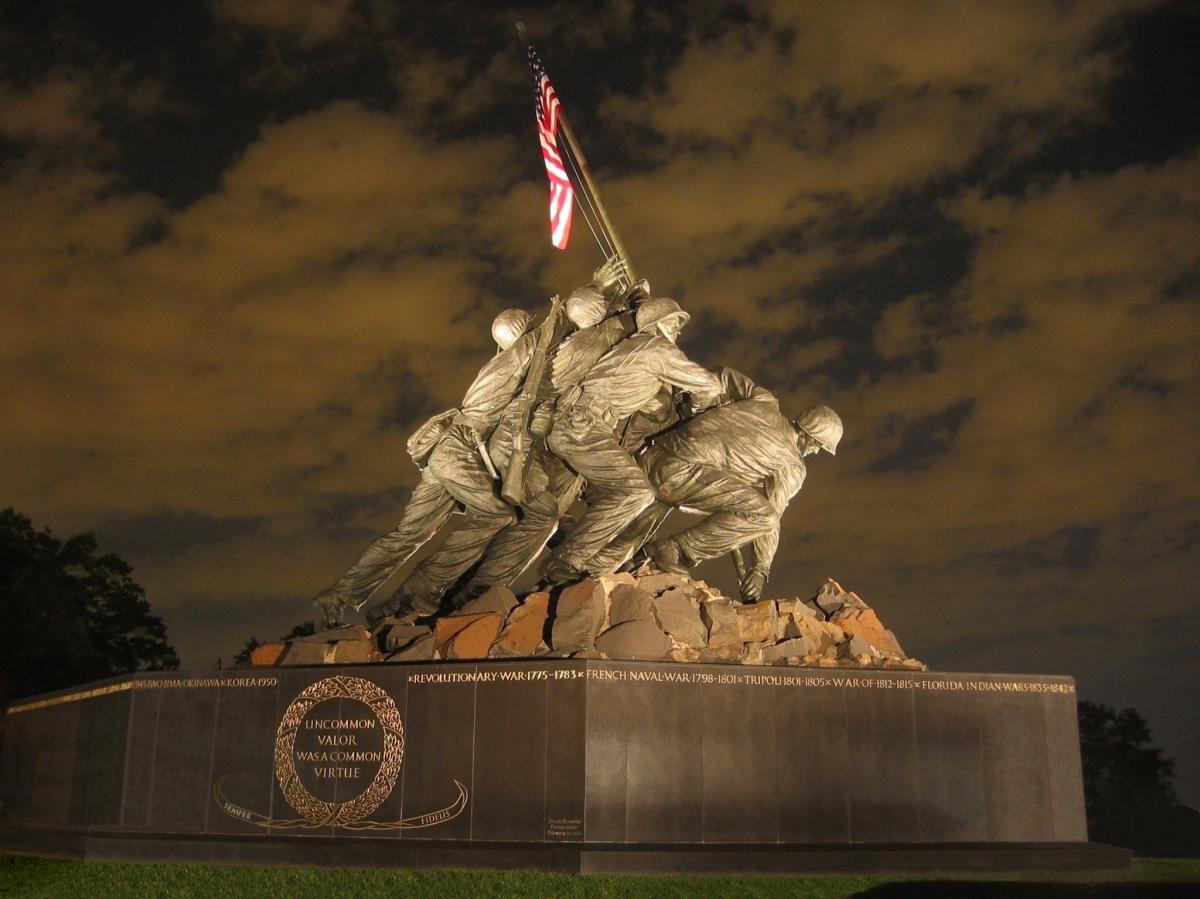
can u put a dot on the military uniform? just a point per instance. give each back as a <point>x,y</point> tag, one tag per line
<point>455,475</point>
<point>642,427</point>
<point>739,463</point>
<point>550,488</point>
<point>585,436</point>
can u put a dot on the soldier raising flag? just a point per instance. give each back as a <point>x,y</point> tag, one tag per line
<point>555,407</point>
<point>546,111</point>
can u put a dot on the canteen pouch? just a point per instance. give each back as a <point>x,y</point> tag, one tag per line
<point>423,440</point>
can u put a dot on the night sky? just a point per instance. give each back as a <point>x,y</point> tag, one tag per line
<point>247,245</point>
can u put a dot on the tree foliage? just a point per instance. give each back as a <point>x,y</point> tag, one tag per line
<point>71,615</point>
<point>1127,785</point>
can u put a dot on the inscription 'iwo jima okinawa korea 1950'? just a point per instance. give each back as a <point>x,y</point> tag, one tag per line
<point>595,404</point>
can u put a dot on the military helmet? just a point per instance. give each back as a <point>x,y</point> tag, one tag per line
<point>659,309</point>
<point>823,425</point>
<point>586,306</point>
<point>509,326</point>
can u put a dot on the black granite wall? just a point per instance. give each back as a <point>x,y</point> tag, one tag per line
<point>567,751</point>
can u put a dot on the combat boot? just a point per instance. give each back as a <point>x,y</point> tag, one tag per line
<point>667,555</point>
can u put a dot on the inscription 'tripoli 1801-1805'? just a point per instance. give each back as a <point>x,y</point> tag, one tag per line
<point>334,767</point>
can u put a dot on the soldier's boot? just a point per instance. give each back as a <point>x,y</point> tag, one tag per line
<point>667,555</point>
<point>634,562</point>
<point>401,604</point>
<point>556,572</point>
<point>332,607</point>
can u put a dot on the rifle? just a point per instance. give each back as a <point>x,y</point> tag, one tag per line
<point>513,487</point>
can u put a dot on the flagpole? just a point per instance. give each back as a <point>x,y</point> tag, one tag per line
<point>585,174</point>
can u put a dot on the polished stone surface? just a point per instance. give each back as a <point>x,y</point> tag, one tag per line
<point>645,762</point>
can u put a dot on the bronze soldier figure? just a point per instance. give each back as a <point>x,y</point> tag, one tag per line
<point>550,487</point>
<point>741,463</point>
<point>547,480</point>
<point>588,417</point>
<point>456,471</point>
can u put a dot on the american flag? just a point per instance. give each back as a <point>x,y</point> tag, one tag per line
<point>562,195</point>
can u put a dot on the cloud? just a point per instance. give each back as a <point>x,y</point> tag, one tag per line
<point>54,109</point>
<point>73,107</point>
<point>166,533</point>
<point>261,342</point>
<point>307,22</point>
<point>859,204</point>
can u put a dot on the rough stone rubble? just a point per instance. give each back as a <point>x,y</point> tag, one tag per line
<point>647,616</point>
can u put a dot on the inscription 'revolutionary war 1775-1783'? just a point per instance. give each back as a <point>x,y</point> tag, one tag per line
<point>747,678</point>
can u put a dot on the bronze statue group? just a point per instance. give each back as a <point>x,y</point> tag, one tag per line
<point>597,403</point>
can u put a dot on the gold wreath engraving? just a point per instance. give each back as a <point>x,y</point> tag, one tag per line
<point>318,811</point>
<point>351,814</point>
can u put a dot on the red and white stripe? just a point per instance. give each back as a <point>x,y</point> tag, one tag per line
<point>562,195</point>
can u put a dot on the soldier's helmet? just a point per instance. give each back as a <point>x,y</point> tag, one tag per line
<point>509,326</point>
<point>657,310</point>
<point>586,306</point>
<point>823,425</point>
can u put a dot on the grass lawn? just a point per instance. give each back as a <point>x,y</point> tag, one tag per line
<point>28,876</point>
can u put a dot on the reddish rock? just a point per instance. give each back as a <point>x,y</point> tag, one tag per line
<point>796,648</point>
<point>866,624</point>
<point>756,621</point>
<point>679,616</point>
<point>353,651</point>
<point>474,640</point>
<point>640,639</point>
<point>833,597</point>
<point>524,627</point>
<point>336,635</point>
<point>752,654</point>
<point>420,650</point>
<point>578,614</point>
<point>724,635</point>
<point>610,582</point>
<point>494,599</point>
<point>684,654</point>
<point>308,654</point>
<point>267,655</point>
<point>791,610</point>
<point>658,582</point>
<point>448,628</point>
<point>820,634</point>
<point>398,636</point>
<point>628,603</point>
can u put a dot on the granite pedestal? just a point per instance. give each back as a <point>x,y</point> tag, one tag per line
<point>556,764</point>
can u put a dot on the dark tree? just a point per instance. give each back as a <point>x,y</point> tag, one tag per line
<point>1127,785</point>
<point>303,629</point>
<point>70,615</point>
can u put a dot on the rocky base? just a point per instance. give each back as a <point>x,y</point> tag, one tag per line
<point>646,616</point>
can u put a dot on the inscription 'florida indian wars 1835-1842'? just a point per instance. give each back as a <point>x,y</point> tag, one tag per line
<point>318,756</point>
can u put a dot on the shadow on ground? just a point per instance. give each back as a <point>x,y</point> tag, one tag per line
<point>1002,889</point>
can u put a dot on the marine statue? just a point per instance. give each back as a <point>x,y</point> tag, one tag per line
<point>618,416</point>
<point>739,464</point>
<point>587,422</point>
<point>456,473</point>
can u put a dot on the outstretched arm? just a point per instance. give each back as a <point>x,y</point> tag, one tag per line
<point>736,386</point>
<point>678,370</point>
<point>781,487</point>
